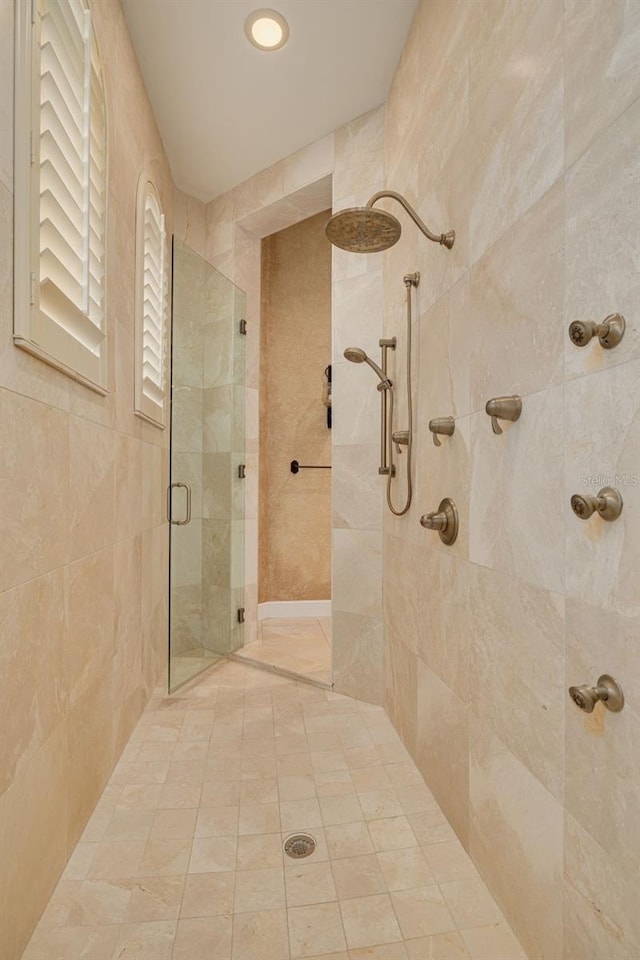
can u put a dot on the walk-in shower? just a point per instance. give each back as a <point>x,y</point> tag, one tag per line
<point>365,230</point>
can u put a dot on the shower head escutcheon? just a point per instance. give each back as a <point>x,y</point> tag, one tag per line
<point>365,230</point>
<point>356,355</point>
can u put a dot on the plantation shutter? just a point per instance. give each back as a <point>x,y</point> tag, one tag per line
<point>69,188</point>
<point>152,304</point>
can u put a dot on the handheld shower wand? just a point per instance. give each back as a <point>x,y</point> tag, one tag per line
<point>356,355</point>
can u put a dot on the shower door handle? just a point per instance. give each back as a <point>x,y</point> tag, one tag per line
<point>187,519</point>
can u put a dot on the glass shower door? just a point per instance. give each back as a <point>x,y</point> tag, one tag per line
<point>206,495</point>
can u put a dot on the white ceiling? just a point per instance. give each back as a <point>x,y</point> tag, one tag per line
<point>227,110</point>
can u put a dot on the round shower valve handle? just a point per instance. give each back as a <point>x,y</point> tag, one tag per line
<point>609,333</point>
<point>444,520</point>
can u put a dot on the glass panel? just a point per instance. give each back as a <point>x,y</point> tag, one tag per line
<point>207,447</point>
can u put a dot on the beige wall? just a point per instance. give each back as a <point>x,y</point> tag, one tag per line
<point>295,334</point>
<point>84,541</point>
<point>517,125</point>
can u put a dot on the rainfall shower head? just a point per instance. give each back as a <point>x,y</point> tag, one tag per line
<point>356,355</point>
<point>365,230</point>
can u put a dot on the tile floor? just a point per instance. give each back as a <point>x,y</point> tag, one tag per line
<point>182,858</point>
<point>301,646</point>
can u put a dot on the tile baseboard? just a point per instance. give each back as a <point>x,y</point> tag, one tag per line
<point>293,609</point>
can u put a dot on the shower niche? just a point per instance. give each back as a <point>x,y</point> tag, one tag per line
<point>205,499</point>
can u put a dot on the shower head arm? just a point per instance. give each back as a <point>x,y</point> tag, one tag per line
<point>447,239</point>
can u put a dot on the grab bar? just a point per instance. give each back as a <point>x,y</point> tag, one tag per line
<point>187,519</point>
<point>294,466</point>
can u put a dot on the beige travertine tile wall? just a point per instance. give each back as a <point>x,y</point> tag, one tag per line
<point>358,316</point>
<point>517,124</point>
<point>83,576</point>
<point>295,331</point>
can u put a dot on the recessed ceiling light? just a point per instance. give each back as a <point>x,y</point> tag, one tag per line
<point>266,29</point>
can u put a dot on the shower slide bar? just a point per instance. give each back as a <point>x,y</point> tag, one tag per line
<point>294,466</point>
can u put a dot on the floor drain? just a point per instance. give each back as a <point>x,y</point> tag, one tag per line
<point>299,845</point>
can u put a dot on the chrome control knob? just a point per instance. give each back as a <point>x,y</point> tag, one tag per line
<point>607,691</point>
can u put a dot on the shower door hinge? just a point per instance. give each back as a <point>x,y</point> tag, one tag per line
<point>242,471</point>
<point>240,614</point>
<point>243,327</point>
